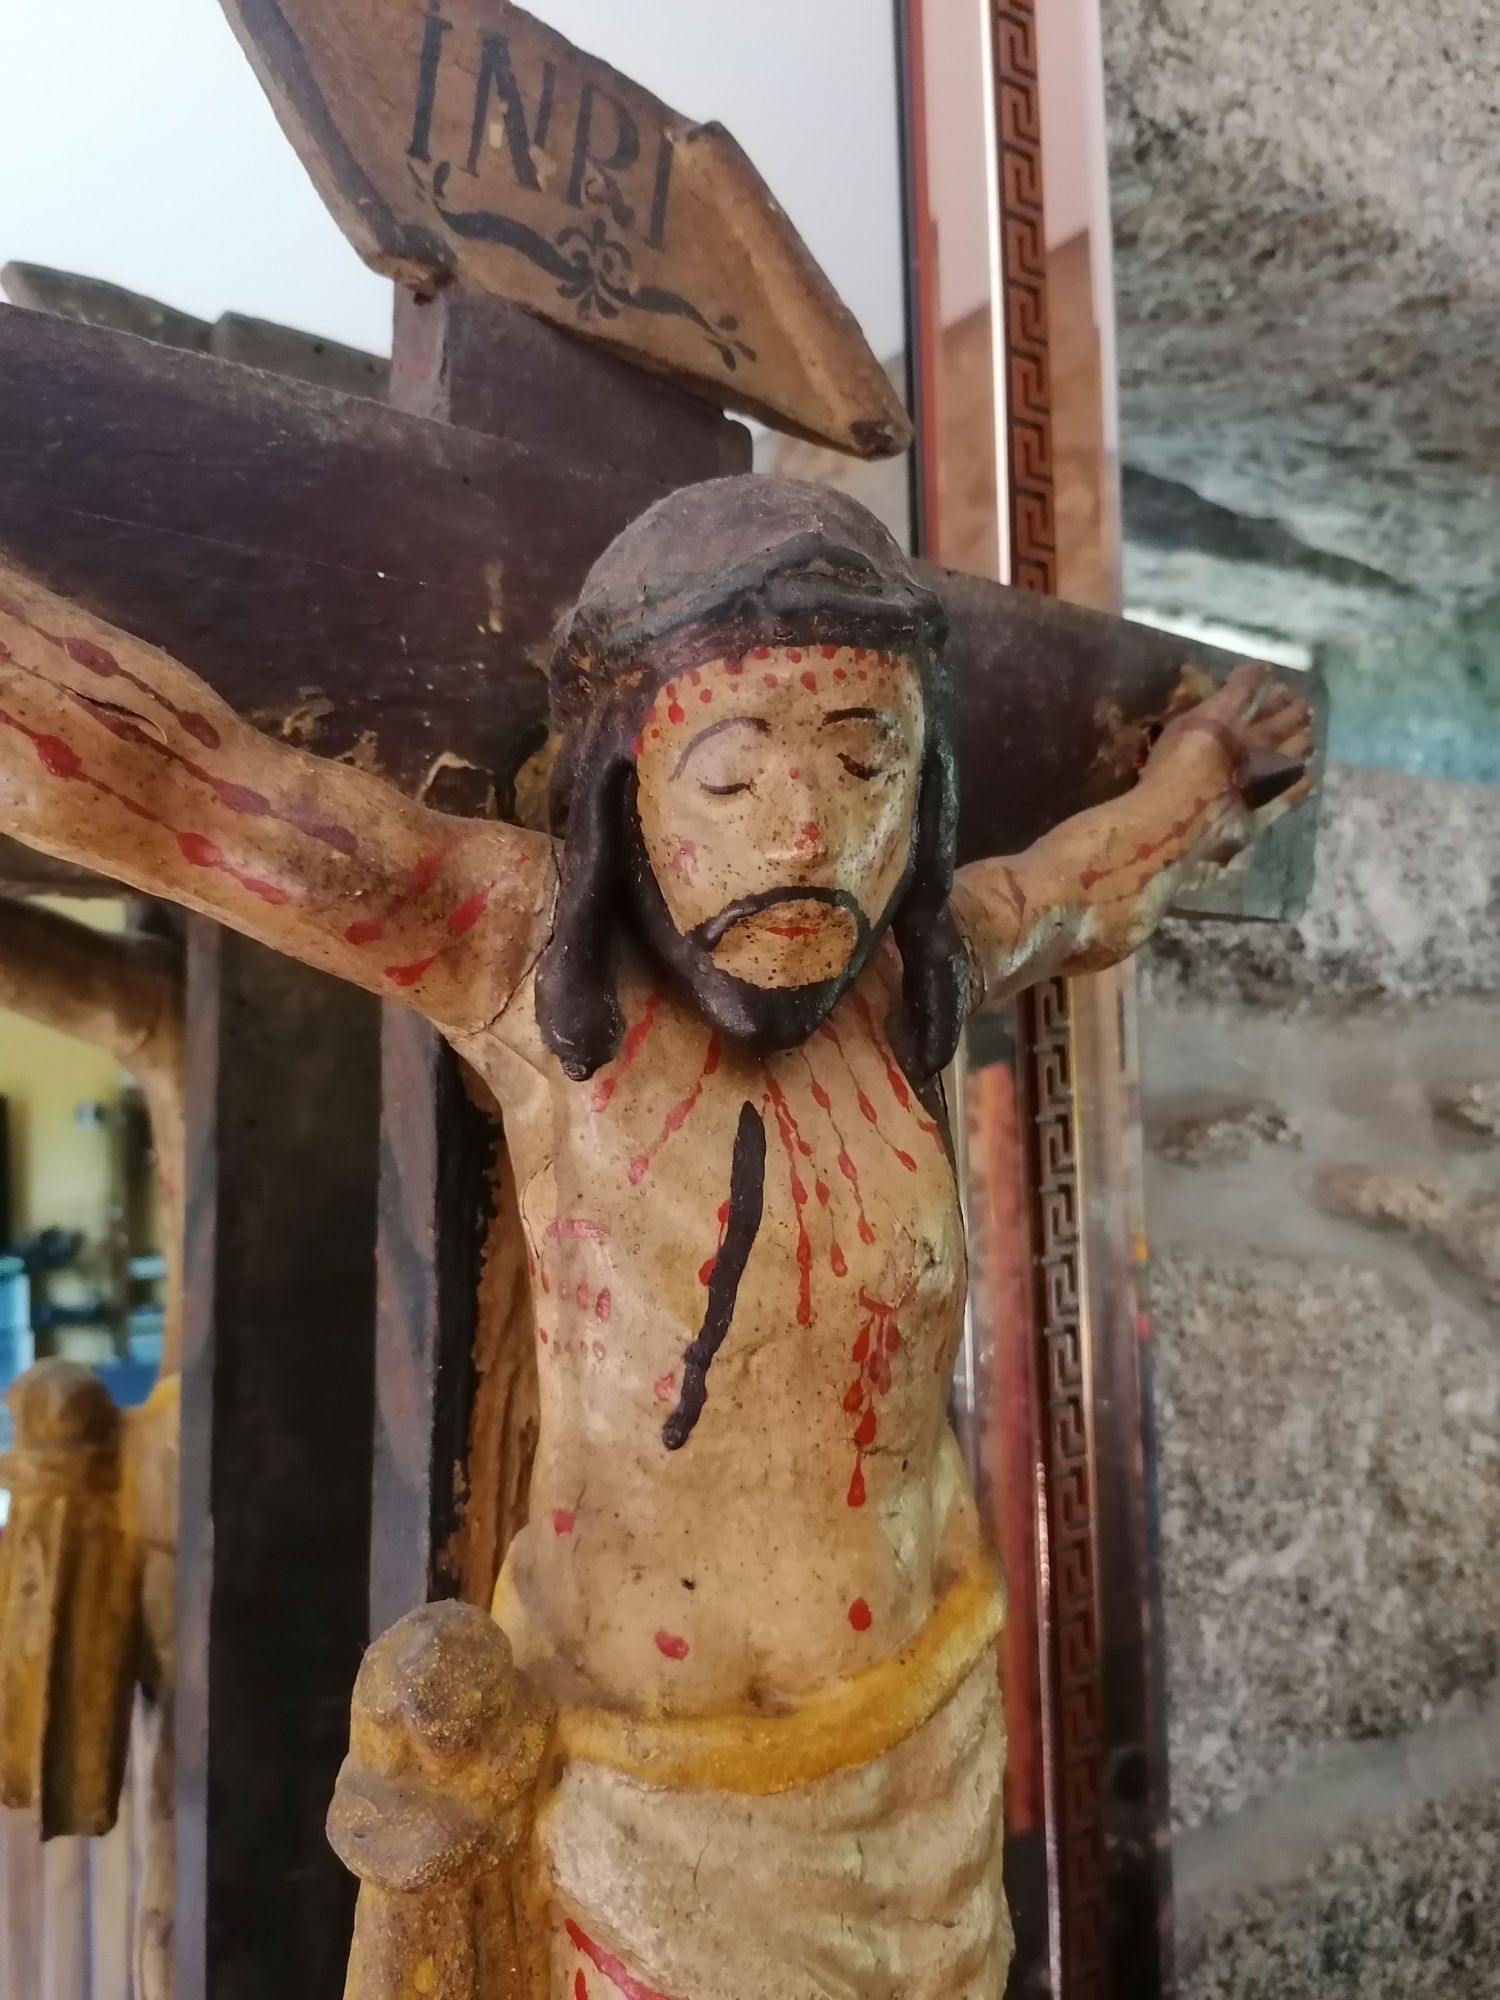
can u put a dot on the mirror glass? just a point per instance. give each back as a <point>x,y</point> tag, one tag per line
<point>1309,419</point>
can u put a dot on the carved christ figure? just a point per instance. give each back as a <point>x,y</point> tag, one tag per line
<point>713,1010</point>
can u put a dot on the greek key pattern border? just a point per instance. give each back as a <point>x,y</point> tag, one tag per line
<point>1046,1026</point>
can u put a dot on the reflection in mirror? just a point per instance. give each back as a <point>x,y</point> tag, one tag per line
<point>90,1278</point>
<point>1309,412</point>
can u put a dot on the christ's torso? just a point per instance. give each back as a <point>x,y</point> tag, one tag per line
<point>809,1522</point>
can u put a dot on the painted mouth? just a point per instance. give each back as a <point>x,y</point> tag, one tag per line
<point>713,932</point>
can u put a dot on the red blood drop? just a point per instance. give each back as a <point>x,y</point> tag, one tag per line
<point>408,975</point>
<point>88,654</point>
<point>864,1435</point>
<point>635,746</point>
<point>707,694</point>
<point>581,1295</point>
<point>837,1260</point>
<point>892,1338</point>
<point>424,870</point>
<point>60,758</point>
<point>855,1497</point>
<point>580,1987</point>
<point>241,799</point>
<point>794,655</point>
<point>771,680</point>
<point>675,712</point>
<point>663,1386</point>
<point>820,1189</point>
<point>562,1520</point>
<point>829,652</point>
<point>810,680</point>
<point>866,1233</point>
<point>706,1269</point>
<point>762,652</point>
<point>200,850</point>
<point>672,1645</point>
<point>365,931</point>
<point>468,913</point>
<point>840,673</point>
<point>638,1168</point>
<point>603,1305</point>
<point>862,1345</point>
<point>859,1615</point>
<point>854,1395</point>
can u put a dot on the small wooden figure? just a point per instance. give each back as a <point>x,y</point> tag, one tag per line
<point>69,1602</point>
<point>714,1009</point>
<point>123,994</point>
<point>434,1811</point>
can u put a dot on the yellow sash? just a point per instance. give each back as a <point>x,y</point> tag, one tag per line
<point>836,1728</point>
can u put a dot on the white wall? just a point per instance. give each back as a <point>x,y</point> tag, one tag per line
<point>138,147</point>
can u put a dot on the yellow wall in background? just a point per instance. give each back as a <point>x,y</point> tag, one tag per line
<point>60,1170</point>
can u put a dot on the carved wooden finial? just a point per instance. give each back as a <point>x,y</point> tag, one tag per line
<point>433,1800</point>
<point>69,1566</point>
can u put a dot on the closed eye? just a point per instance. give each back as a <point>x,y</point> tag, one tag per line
<point>723,791</point>
<point>858,770</point>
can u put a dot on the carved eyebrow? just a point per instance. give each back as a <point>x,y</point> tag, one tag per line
<point>881,715</point>
<point>756,722</point>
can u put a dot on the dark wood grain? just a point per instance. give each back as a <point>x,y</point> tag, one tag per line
<point>418,629</point>
<point>437,1157</point>
<point>277,1416</point>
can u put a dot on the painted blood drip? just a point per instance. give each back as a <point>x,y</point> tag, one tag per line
<point>877,1340</point>
<point>747,1186</point>
<point>861,1097</point>
<point>636,1038</point>
<point>604,1962</point>
<point>846,1164</point>
<point>243,800</point>
<point>99,660</point>
<point>1153,850</point>
<point>679,1114</point>
<point>786,1128</point>
<point>900,1088</point>
<point>365,930</point>
<point>61,760</point>
<point>706,1268</point>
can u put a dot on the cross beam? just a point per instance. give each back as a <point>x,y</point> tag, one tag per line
<point>381,586</point>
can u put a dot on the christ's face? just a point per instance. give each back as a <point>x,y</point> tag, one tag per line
<point>776,796</point>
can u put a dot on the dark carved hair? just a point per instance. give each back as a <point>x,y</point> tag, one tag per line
<point>709,573</point>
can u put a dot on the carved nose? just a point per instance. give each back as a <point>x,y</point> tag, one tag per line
<point>810,844</point>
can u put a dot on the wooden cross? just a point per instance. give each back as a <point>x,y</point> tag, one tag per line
<point>379,583</point>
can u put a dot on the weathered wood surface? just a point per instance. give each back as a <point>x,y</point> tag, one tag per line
<point>256,343</point>
<point>277,1416</point>
<point>477,145</point>
<point>382,586</point>
<point>437,1156</point>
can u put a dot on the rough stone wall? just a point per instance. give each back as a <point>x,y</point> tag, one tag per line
<point>1322,1107</point>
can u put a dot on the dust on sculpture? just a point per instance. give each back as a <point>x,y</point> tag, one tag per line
<point>751,1585</point>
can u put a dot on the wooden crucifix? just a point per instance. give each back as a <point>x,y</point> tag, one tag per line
<point>755,978</point>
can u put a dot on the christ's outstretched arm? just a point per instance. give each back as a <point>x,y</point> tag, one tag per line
<point>113,755</point>
<point>1093,889</point>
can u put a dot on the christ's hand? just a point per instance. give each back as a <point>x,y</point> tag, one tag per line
<point>1092,890</point>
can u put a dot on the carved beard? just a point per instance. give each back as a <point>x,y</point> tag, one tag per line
<point>762,1017</point>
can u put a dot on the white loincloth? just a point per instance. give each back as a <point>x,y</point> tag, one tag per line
<point>880,1882</point>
